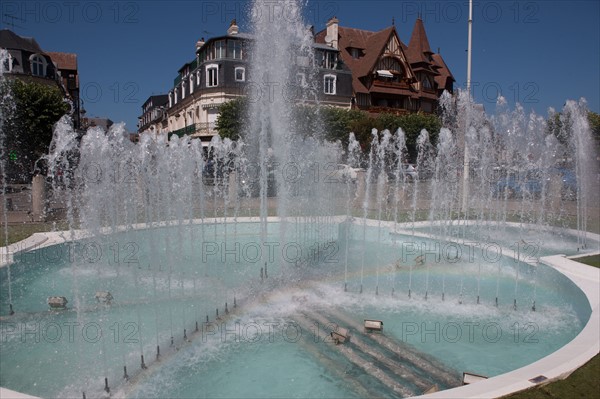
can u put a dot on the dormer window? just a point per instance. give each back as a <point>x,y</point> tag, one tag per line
<point>234,49</point>
<point>38,65</point>
<point>426,83</point>
<point>355,53</point>
<point>220,49</point>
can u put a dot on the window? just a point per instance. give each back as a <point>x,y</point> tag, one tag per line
<point>191,84</point>
<point>220,49</point>
<point>183,85</point>
<point>176,94</point>
<point>320,59</point>
<point>234,49</point>
<point>426,83</point>
<point>330,60</point>
<point>240,74</point>
<point>329,84</point>
<point>198,78</point>
<point>301,79</point>
<point>38,65</point>
<point>8,63</point>
<point>170,99</point>
<point>355,53</point>
<point>212,75</point>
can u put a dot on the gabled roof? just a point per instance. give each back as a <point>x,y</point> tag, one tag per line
<point>64,60</point>
<point>10,40</point>
<point>372,45</point>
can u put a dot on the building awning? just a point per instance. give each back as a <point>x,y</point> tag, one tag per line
<point>385,73</point>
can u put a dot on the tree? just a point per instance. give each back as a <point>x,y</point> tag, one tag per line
<point>233,116</point>
<point>30,110</point>
<point>559,124</point>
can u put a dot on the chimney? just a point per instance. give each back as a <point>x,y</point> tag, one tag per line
<point>332,33</point>
<point>233,28</point>
<point>199,44</point>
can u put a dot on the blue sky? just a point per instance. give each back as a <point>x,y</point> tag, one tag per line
<point>539,53</point>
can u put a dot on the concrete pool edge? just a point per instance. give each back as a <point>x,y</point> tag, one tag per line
<point>558,365</point>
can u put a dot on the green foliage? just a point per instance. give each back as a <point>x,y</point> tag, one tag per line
<point>30,111</point>
<point>232,118</point>
<point>338,122</point>
<point>559,124</point>
<point>554,126</point>
<point>333,124</point>
<point>306,119</point>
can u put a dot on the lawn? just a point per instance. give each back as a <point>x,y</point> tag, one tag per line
<point>18,232</point>
<point>583,383</point>
<point>593,260</point>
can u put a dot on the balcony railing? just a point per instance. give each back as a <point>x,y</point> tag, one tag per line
<point>395,85</point>
<point>206,128</point>
<point>197,129</point>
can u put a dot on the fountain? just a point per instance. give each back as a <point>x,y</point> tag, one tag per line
<point>178,281</point>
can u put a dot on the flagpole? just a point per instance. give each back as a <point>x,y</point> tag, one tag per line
<point>465,194</point>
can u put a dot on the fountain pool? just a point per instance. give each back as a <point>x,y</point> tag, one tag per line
<point>273,338</point>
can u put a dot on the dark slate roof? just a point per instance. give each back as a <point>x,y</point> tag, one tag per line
<point>10,40</point>
<point>158,100</point>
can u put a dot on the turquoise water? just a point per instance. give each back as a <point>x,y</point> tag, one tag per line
<point>165,280</point>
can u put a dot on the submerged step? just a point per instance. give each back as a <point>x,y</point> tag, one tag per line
<point>425,369</point>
